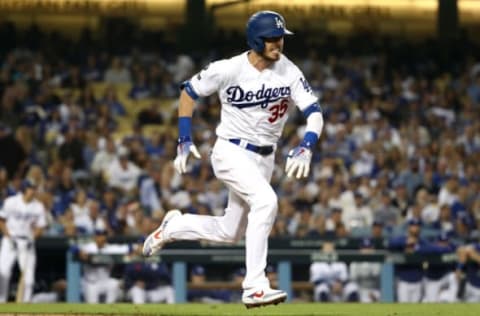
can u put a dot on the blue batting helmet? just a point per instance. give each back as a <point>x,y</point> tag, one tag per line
<point>264,24</point>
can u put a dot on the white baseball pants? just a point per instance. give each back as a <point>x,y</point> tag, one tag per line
<point>408,292</point>
<point>160,294</point>
<point>472,293</point>
<point>109,287</point>
<point>24,251</point>
<point>251,210</point>
<point>443,290</point>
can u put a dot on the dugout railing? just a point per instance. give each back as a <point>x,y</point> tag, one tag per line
<point>283,258</point>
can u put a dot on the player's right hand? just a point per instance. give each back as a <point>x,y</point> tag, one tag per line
<point>184,148</point>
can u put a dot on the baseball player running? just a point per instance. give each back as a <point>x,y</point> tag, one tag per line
<point>22,220</point>
<point>257,89</point>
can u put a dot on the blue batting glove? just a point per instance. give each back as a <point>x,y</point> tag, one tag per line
<point>184,148</point>
<point>298,160</point>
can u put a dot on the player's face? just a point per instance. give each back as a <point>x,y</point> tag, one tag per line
<point>29,193</point>
<point>273,48</point>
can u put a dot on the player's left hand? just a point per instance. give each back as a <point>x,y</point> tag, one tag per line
<point>184,148</point>
<point>298,160</point>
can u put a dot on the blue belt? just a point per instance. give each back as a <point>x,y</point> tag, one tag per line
<point>261,150</point>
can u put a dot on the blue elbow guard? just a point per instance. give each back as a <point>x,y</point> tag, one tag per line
<point>187,86</point>
<point>315,107</point>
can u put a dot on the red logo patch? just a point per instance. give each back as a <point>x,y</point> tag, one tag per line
<point>258,294</point>
<point>157,234</point>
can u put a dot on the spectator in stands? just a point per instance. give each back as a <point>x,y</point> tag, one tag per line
<point>81,211</point>
<point>331,280</point>
<point>117,73</point>
<point>70,151</point>
<point>444,223</point>
<point>150,115</point>
<point>360,216</point>
<point>149,189</point>
<point>123,174</point>
<point>91,71</point>
<point>377,231</point>
<point>104,158</point>
<point>386,212</point>
<point>448,191</point>
<point>140,88</point>
<point>110,203</point>
<point>114,105</point>
<point>13,157</point>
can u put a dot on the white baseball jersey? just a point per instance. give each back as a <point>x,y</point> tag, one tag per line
<point>99,272</point>
<point>255,103</point>
<point>328,272</point>
<point>21,217</point>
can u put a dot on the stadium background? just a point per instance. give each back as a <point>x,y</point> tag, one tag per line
<point>399,84</point>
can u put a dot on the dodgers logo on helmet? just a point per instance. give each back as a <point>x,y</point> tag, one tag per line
<point>264,24</point>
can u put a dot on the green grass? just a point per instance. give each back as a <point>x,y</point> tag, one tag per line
<point>237,309</point>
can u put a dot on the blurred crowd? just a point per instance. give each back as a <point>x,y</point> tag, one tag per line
<point>401,141</point>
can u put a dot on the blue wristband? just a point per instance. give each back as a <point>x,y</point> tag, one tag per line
<point>184,126</point>
<point>309,140</point>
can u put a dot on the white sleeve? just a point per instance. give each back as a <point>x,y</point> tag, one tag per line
<point>209,79</point>
<point>89,248</point>
<point>301,92</point>
<point>113,249</point>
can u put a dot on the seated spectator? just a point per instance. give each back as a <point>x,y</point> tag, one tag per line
<point>377,230</point>
<point>104,158</point>
<point>91,70</point>
<point>110,99</point>
<point>117,73</point>
<point>150,115</point>
<point>360,215</point>
<point>386,212</point>
<point>123,174</point>
<point>140,88</point>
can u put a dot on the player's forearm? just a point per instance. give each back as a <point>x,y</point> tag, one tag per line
<point>313,130</point>
<point>186,104</point>
<point>3,228</point>
<point>185,112</point>
<point>315,123</point>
